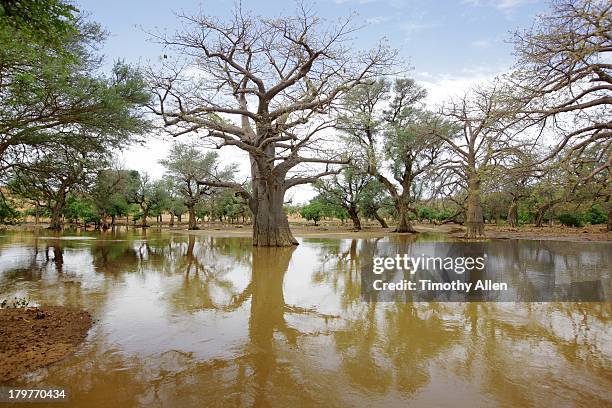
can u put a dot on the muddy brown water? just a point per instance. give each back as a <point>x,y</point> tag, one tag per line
<point>192,321</point>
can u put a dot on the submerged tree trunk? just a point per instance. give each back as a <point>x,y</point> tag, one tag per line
<point>145,215</point>
<point>513,213</point>
<point>403,221</point>
<point>103,223</point>
<point>56,218</point>
<point>270,223</point>
<point>193,225</point>
<point>352,211</point>
<point>474,220</point>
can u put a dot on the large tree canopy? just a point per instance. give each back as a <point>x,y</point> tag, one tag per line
<point>268,87</point>
<point>50,90</point>
<point>565,75</point>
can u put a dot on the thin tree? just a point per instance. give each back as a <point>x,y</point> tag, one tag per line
<point>53,176</point>
<point>188,166</point>
<point>398,140</point>
<point>345,190</point>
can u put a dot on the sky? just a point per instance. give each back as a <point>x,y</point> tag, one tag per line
<point>449,45</point>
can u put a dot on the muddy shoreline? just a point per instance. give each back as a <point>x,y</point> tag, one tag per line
<point>34,337</point>
<point>594,233</point>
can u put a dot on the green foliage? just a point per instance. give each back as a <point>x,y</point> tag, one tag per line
<point>109,193</point>
<point>319,208</point>
<point>228,205</point>
<point>55,175</point>
<point>571,220</point>
<point>48,21</point>
<point>186,166</point>
<point>524,215</point>
<point>8,213</point>
<point>434,214</point>
<point>51,93</point>
<point>313,211</point>
<point>596,215</point>
<point>81,209</point>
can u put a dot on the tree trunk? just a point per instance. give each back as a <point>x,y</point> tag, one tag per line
<point>193,225</point>
<point>474,220</point>
<point>102,224</point>
<point>403,222</point>
<point>610,220</point>
<point>179,218</point>
<point>113,220</point>
<point>539,219</point>
<point>171,219</point>
<point>270,223</point>
<point>513,213</point>
<point>380,220</point>
<point>56,218</point>
<point>352,211</point>
<point>143,221</point>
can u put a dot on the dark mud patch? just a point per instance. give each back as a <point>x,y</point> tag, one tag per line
<point>35,337</point>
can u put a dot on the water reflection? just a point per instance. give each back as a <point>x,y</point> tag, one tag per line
<point>186,320</point>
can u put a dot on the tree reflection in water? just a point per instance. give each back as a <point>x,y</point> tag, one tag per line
<point>226,324</point>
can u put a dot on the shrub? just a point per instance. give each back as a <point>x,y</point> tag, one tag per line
<point>596,215</point>
<point>571,220</point>
<point>8,213</point>
<point>313,211</point>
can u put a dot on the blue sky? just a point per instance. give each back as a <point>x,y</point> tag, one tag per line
<point>449,44</point>
<point>437,37</point>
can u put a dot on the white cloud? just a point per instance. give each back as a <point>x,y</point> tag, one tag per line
<point>377,19</point>
<point>511,4</point>
<point>482,43</point>
<point>503,5</point>
<point>411,27</point>
<point>443,87</point>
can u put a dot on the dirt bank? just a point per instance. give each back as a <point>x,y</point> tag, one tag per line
<point>595,233</point>
<point>34,337</point>
<point>557,233</point>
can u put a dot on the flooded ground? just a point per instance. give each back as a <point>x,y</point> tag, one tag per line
<point>210,321</point>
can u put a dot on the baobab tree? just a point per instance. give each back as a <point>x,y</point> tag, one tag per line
<point>486,133</point>
<point>268,87</point>
<point>565,77</point>
<point>515,177</point>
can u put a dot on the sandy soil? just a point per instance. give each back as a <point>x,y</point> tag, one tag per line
<point>36,337</point>
<point>557,233</point>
